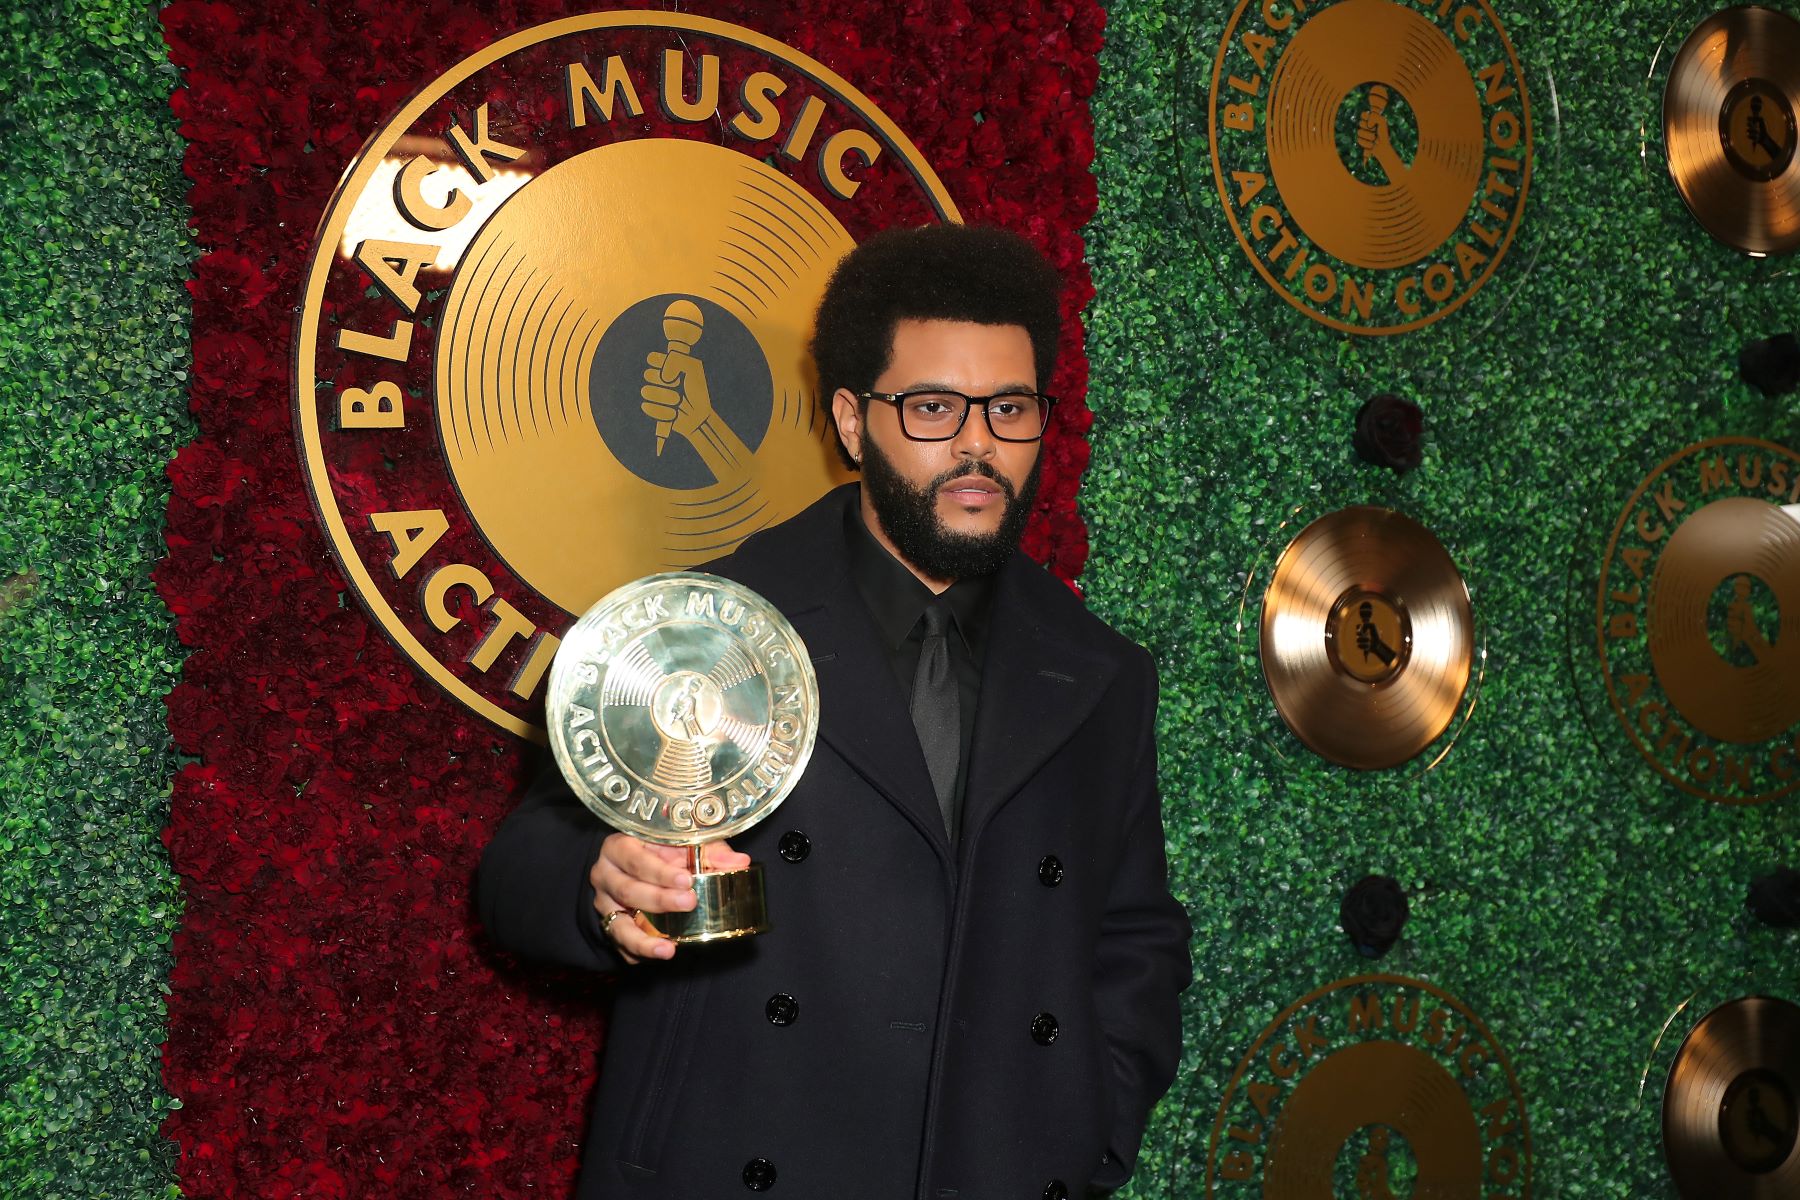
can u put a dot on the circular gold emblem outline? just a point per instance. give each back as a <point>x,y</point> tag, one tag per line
<point>1600,592</point>
<point>1262,268</point>
<point>1319,993</point>
<point>337,215</point>
<point>587,641</point>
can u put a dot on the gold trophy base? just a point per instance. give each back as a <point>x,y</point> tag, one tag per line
<point>728,904</point>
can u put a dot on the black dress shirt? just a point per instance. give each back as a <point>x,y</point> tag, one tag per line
<point>896,600</point>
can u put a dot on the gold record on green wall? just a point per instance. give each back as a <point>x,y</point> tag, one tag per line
<point>1367,637</point>
<point>1730,128</point>
<point>1731,1107</point>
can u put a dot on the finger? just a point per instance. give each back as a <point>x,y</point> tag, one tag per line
<point>647,897</point>
<point>605,905</point>
<point>655,359</point>
<point>660,412</point>
<point>721,857</point>
<point>629,936</point>
<point>633,938</point>
<point>665,866</point>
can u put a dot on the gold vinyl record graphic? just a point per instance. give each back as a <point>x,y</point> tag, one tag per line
<point>1367,637</point>
<point>1384,1080</point>
<point>1692,620</point>
<point>1731,1109</point>
<point>563,296</point>
<point>554,332</point>
<point>1729,123</point>
<point>1373,158</point>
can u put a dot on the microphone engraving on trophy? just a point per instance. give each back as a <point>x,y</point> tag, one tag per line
<point>676,396</point>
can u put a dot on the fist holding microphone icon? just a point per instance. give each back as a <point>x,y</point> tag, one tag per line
<point>1374,138</point>
<point>676,397</point>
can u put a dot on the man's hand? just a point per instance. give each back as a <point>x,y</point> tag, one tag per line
<point>638,876</point>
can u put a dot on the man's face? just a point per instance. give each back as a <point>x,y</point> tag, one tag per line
<point>952,508</point>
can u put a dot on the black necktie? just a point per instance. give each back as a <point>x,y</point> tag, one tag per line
<point>936,710</point>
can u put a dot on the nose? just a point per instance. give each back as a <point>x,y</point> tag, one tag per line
<point>975,439</point>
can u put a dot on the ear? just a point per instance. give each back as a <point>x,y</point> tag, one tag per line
<point>847,411</point>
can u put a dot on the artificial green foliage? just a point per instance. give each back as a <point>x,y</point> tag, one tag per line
<point>1571,908</point>
<point>93,364</point>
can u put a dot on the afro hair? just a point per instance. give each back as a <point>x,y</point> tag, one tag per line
<point>976,273</point>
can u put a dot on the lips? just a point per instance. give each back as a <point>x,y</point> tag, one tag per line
<point>971,491</point>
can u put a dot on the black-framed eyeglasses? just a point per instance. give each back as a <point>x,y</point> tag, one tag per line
<point>938,416</point>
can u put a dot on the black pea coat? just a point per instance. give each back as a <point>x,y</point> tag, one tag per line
<point>989,1021</point>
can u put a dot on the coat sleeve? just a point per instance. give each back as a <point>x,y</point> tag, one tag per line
<point>1142,963</point>
<point>532,887</point>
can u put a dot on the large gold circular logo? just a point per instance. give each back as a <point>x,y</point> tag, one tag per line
<point>1378,1087</point>
<point>1373,157</point>
<point>1697,620</point>
<point>555,333</point>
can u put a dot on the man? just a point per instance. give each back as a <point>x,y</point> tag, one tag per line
<point>970,989</point>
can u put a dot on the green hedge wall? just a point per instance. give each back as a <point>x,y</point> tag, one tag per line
<point>1570,912</point>
<point>93,364</point>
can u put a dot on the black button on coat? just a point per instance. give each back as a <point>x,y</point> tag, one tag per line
<point>923,966</point>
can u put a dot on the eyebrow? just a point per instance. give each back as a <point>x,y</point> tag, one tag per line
<point>931,386</point>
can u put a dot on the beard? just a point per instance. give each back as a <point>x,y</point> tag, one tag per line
<point>909,517</point>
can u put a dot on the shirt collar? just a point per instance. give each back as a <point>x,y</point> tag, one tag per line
<point>895,596</point>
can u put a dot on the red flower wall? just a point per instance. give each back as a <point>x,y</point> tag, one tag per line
<point>339,1025</point>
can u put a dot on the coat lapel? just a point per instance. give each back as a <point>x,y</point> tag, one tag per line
<point>1038,685</point>
<point>861,713</point>
<point>801,568</point>
<point>1039,680</point>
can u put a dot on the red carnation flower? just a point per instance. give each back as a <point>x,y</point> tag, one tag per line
<point>235,366</point>
<point>192,28</point>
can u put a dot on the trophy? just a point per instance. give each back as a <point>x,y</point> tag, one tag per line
<point>682,709</point>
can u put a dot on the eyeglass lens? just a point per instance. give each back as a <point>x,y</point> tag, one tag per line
<point>928,415</point>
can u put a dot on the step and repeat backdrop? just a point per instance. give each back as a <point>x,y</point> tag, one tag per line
<point>1427,413</point>
<point>476,232</point>
<point>1424,465</point>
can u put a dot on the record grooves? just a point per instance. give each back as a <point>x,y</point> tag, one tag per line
<point>1731,123</point>
<point>1367,637</point>
<point>1731,1109</point>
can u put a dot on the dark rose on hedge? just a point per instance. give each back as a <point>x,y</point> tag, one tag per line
<point>1389,431</point>
<point>1775,898</point>
<point>1374,911</point>
<point>1771,365</point>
